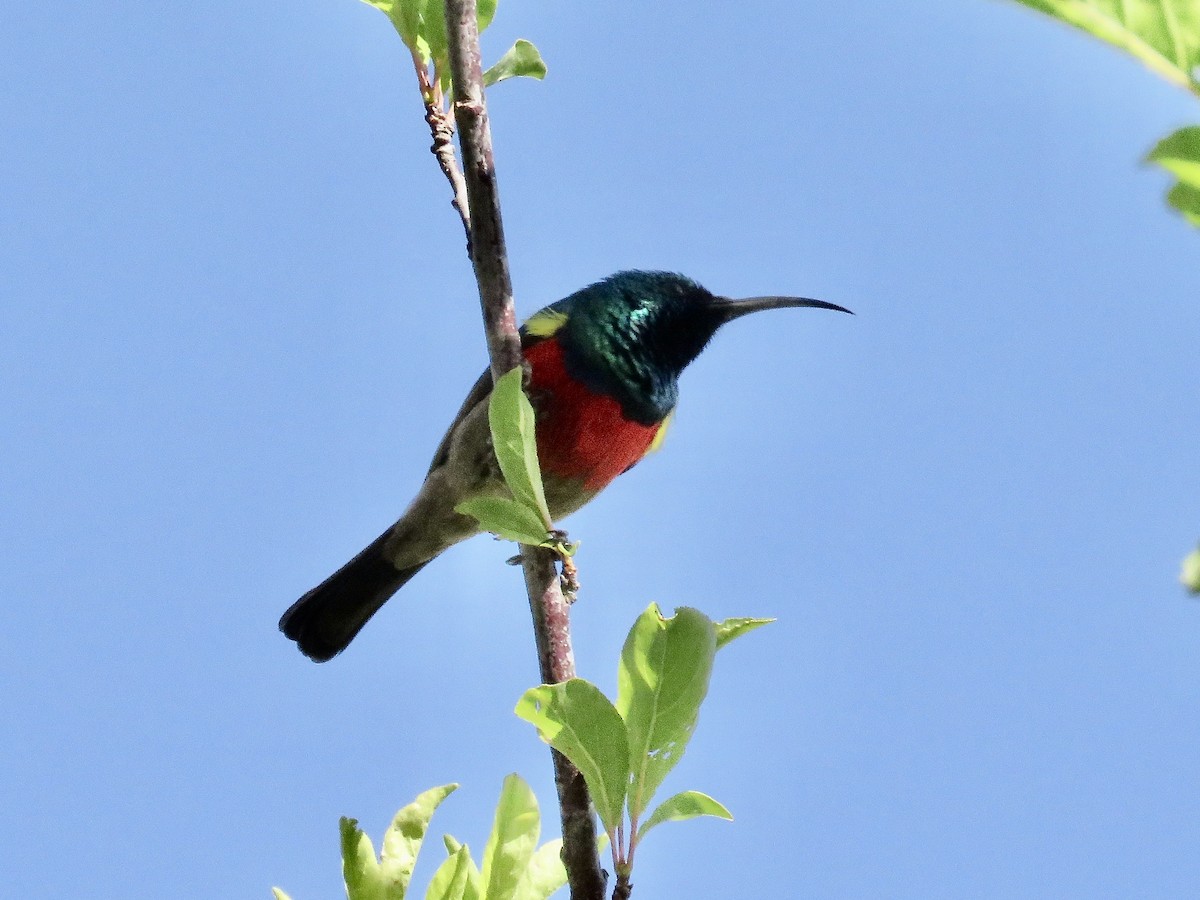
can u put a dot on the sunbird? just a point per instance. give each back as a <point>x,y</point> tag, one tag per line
<point>604,366</point>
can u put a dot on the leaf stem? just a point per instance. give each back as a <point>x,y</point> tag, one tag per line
<point>485,245</point>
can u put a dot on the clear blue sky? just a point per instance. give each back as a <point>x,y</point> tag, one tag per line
<point>237,317</point>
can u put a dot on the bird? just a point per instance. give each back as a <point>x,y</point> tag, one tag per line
<point>603,379</point>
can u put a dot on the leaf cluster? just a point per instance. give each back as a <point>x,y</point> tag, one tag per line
<point>514,867</point>
<point>625,750</point>
<point>421,24</point>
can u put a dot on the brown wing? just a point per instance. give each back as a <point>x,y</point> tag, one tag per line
<point>479,393</point>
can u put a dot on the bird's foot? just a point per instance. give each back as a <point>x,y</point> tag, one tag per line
<point>565,549</point>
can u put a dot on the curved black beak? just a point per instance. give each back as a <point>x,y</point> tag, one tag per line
<point>733,309</point>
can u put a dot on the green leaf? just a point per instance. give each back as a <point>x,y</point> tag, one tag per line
<point>684,805</point>
<point>662,679</point>
<point>449,882</point>
<point>544,874</point>
<point>405,16</point>
<point>404,837</point>
<point>279,894</point>
<point>1186,199</point>
<point>522,58</point>
<point>410,25</point>
<point>512,422</point>
<point>1189,575</point>
<point>1179,154</point>
<point>485,11</point>
<point>512,841</point>
<point>1163,34</point>
<point>474,888</point>
<point>360,868</point>
<point>433,30</point>
<point>578,721</point>
<point>421,24</point>
<point>735,628</point>
<point>506,518</point>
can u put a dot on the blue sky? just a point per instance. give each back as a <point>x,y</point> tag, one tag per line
<point>237,318</point>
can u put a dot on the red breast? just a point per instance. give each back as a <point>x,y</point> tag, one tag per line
<point>580,434</point>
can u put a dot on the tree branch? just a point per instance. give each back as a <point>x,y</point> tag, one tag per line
<point>485,243</point>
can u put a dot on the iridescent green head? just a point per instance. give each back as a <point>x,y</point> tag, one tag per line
<point>632,334</point>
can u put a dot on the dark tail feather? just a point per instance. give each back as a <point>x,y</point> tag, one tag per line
<point>325,620</point>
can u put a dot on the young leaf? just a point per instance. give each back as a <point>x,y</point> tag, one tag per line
<point>578,721</point>
<point>506,518</point>
<point>1164,34</point>
<point>449,882</point>
<point>404,837</point>
<point>735,628</point>
<point>360,868</point>
<point>474,888</point>
<point>512,422</point>
<point>662,679</point>
<point>410,24</point>
<point>433,28</point>
<point>421,24</point>
<point>513,839</point>
<point>1179,154</point>
<point>1186,199</point>
<point>544,874</point>
<point>684,805</point>
<point>522,58</point>
<point>405,16</point>
<point>1189,575</point>
<point>485,11</point>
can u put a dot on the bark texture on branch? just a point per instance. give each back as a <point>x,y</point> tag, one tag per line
<point>485,244</point>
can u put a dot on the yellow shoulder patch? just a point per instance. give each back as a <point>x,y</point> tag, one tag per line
<point>661,434</point>
<point>545,323</point>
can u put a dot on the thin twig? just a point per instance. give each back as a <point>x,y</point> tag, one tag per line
<point>441,129</point>
<point>485,244</point>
